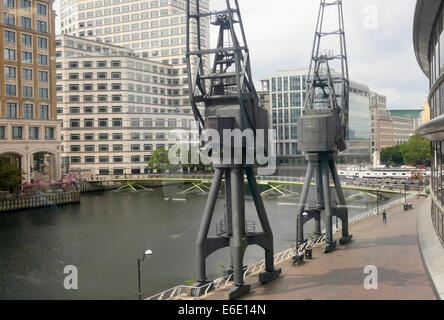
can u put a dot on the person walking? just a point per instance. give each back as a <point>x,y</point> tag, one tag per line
<point>384,216</point>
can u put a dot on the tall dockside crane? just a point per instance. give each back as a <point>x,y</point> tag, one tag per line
<point>322,130</point>
<point>226,93</point>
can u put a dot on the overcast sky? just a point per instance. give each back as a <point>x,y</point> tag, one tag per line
<point>280,35</point>
<point>379,39</point>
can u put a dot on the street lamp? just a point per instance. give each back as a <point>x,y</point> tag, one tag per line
<point>377,200</point>
<point>145,254</point>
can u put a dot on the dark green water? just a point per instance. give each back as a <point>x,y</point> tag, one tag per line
<point>104,235</point>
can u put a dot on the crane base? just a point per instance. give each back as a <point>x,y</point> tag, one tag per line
<point>346,239</point>
<point>238,292</point>
<point>268,276</point>
<point>330,247</point>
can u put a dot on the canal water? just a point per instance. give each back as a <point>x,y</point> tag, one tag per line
<point>104,235</point>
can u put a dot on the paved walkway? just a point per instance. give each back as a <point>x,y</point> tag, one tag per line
<point>391,247</point>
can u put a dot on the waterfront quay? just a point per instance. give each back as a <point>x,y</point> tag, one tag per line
<point>391,247</point>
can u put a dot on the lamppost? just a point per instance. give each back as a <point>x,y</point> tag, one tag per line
<point>377,200</point>
<point>146,253</point>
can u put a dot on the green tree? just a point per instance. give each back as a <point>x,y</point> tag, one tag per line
<point>417,151</point>
<point>10,176</point>
<point>159,160</point>
<point>392,156</point>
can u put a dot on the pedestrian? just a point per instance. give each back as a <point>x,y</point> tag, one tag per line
<point>384,216</point>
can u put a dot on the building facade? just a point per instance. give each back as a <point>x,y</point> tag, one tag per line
<point>287,93</point>
<point>149,40</point>
<point>116,108</point>
<point>28,119</point>
<point>428,39</point>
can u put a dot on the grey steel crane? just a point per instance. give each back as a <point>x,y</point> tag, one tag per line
<point>322,130</point>
<point>226,93</point>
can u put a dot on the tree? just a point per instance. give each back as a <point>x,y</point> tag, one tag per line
<point>392,156</point>
<point>417,151</point>
<point>159,160</point>
<point>10,176</point>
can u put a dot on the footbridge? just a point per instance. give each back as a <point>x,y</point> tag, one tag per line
<point>274,184</point>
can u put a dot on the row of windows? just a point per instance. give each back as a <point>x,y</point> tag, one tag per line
<point>27,74</point>
<point>25,22</point>
<point>107,148</point>
<point>27,91</point>
<point>144,5</point>
<point>26,39</point>
<point>292,99</point>
<point>119,109</point>
<point>17,132</point>
<point>131,99</point>
<point>286,116</point>
<point>135,136</point>
<point>133,123</point>
<point>286,132</point>
<point>292,83</point>
<point>26,5</point>
<point>115,159</point>
<point>11,55</point>
<point>27,111</point>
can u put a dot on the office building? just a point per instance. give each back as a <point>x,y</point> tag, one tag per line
<point>287,93</point>
<point>116,108</point>
<point>28,120</point>
<point>428,40</point>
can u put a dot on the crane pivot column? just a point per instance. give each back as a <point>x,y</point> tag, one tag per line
<point>322,130</point>
<point>226,92</point>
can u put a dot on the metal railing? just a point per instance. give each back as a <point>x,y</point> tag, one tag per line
<point>280,257</point>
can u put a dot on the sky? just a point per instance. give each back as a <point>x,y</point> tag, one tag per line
<point>379,36</point>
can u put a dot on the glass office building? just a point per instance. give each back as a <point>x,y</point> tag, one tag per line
<point>429,47</point>
<point>428,38</point>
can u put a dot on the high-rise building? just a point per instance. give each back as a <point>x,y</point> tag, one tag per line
<point>148,39</point>
<point>287,93</point>
<point>28,119</point>
<point>116,108</point>
<point>428,40</point>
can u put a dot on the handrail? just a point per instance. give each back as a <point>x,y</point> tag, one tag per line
<point>278,258</point>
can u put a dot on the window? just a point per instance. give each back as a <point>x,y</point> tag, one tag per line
<point>75,148</point>
<point>43,93</point>
<point>11,110</point>
<point>9,54</point>
<point>103,122</point>
<point>117,147</point>
<point>42,59</point>
<point>9,3</point>
<point>9,36</point>
<point>88,123</point>
<point>42,43</point>
<point>117,122</point>
<point>26,74</point>
<point>10,72</point>
<point>34,133</point>
<point>17,132</point>
<point>26,23</point>
<point>27,92</point>
<point>26,57</point>
<point>9,19</point>
<point>26,4</point>
<point>41,9</point>
<point>11,90</point>
<point>43,76</point>
<point>26,40</point>
<point>28,111</point>
<point>42,26</point>
<point>44,112</point>
<point>2,132</point>
<point>74,123</point>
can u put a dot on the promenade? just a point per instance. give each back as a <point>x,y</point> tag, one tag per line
<point>392,247</point>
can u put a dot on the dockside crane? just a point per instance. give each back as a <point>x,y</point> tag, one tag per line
<point>226,94</point>
<point>322,129</point>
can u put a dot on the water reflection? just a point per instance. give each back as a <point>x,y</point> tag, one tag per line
<point>104,235</point>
